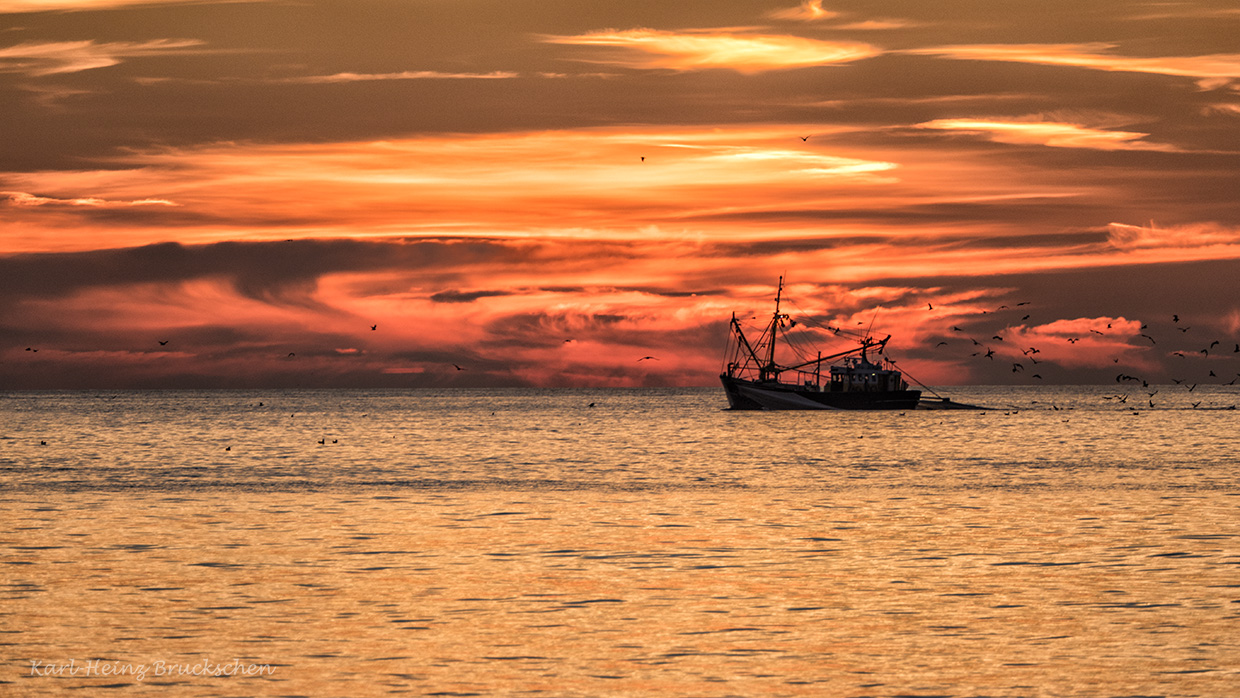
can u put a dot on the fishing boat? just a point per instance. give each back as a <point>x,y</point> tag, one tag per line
<point>862,377</point>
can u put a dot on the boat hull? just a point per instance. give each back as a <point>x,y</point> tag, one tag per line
<point>752,395</point>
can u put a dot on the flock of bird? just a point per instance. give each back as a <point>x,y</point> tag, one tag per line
<point>984,350</point>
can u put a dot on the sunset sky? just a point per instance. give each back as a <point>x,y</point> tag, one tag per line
<point>231,194</point>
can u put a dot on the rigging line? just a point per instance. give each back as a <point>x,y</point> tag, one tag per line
<point>906,374</point>
<point>808,319</point>
<point>869,330</point>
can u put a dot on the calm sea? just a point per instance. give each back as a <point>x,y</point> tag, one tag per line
<point>1071,542</point>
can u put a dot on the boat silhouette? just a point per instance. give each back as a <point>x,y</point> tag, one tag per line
<point>862,378</point>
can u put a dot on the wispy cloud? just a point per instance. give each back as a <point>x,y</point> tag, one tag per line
<point>403,75</point>
<point>740,50</point>
<point>15,6</point>
<point>1048,133</point>
<point>38,59</point>
<point>601,183</point>
<point>878,25</point>
<point>18,198</point>
<point>1190,236</point>
<point>1211,70</point>
<point>808,11</point>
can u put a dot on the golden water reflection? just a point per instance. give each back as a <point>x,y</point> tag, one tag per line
<point>595,592</point>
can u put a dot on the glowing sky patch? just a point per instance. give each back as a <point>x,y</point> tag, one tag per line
<point>543,196</point>
<point>741,51</point>
<point>1096,56</point>
<point>402,75</point>
<point>1057,135</point>
<point>808,11</point>
<point>53,58</point>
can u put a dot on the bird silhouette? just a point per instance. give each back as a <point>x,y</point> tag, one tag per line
<point>373,328</point>
<point>804,138</point>
<point>647,357</point>
<point>162,342</point>
<point>1184,329</point>
<point>457,367</point>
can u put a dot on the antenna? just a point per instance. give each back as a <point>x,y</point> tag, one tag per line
<point>872,319</point>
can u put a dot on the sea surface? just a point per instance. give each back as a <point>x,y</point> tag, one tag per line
<point>1070,542</point>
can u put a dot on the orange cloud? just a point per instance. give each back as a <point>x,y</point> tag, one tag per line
<point>15,6</point>
<point>861,214</point>
<point>807,11</point>
<point>52,58</point>
<point>1217,67</point>
<point>586,183</point>
<point>1183,237</point>
<point>17,198</point>
<point>1054,134</point>
<point>403,75</point>
<point>737,50</point>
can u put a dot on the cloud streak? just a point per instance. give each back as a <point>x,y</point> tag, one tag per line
<point>1213,70</point>
<point>41,59</point>
<point>740,50</point>
<point>402,75</point>
<point>1048,133</point>
<point>808,11</point>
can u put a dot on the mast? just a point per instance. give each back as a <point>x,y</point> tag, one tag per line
<point>770,370</point>
<point>779,293</point>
